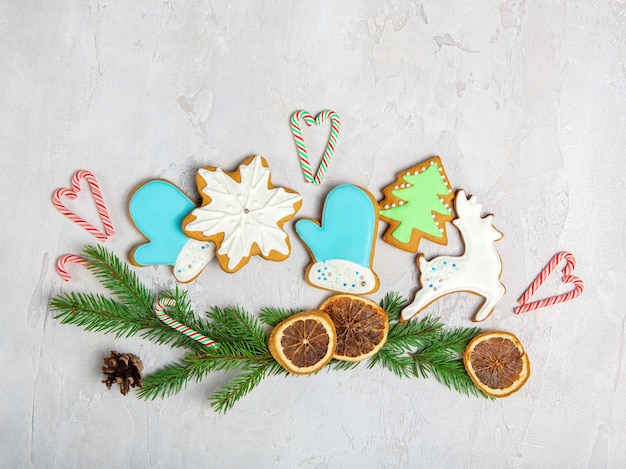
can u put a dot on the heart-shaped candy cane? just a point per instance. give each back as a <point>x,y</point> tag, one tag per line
<point>97,195</point>
<point>545,273</point>
<point>309,120</point>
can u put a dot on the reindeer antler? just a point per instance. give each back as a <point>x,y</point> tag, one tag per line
<point>467,206</point>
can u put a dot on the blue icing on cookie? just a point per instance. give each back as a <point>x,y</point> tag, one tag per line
<point>347,231</point>
<point>157,209</point>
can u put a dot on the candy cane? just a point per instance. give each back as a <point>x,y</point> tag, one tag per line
<point>195,335</point>
<point>97,195</point>
<point>545,273</point>
<point>69,258</point>
<point>301,146</point>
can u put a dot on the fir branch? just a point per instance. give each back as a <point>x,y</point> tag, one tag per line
<point>407,335</point>
<point>274,316</point>
<point>95,312</point>
<point>117,277</point>
<point>173,378</point>
<point>98,313</point>
<point>224,358</point>
<point>403,337</point>
<point>393,303</point>
<point>166,382</point>
<point>441,358</point>
<point>234,325</point>
<point>242,384</point>
<point>446,370</point>
<point>195,366</point>
<point>456,340</point>
<point>438,352</point>
<point>398,363</point>
<point>413,349</point>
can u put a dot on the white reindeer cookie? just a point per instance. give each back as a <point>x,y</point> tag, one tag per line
<point>477,271</point>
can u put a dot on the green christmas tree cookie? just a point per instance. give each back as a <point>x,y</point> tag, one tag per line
<point>417,205</point>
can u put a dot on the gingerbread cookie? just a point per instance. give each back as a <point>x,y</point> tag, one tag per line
<point>477,271</point>
<point>242,213</point>
<point>157,208</point>
<point>342,245</point>
<point>417,205</point>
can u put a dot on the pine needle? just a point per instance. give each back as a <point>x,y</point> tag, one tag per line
<point>274,316</point>
<point>398,363</point>
<point>438,350</point>
<point>442,358</point>
<point>233,325</point>
<point>393,303</point>
<point>166,382</point>
<point>99,314</point>
<point>117,277</point>
<point>402,337</point>
<point>242,384</point>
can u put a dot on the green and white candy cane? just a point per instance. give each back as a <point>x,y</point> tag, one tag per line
<point>303,155</point>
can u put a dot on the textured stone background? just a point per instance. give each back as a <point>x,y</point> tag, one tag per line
<point>524,101</point>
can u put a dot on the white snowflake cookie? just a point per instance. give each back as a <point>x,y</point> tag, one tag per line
<point>242,213</point>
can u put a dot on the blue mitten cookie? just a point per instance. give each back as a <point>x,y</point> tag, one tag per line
<point>342,246</point>
<point>157,208</point>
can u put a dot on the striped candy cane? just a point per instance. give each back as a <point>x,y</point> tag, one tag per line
<point>525,306</point>
<point>69,258</point>
<point>97,195</point>
<point>296,131</point>
<point>195,335</point>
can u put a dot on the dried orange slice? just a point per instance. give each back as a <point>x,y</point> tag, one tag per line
<point>497,363</point>
<point>361,325</point>
<point>304,342</point>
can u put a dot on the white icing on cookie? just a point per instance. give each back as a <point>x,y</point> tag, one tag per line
<point>342,276</point>
<point>194,257</point>
<point>248,213</point>
<point>478,270</point>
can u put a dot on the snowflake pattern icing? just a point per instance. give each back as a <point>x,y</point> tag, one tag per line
<point>247,215</point>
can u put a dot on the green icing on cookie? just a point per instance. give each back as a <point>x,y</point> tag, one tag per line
<point>420,197</point>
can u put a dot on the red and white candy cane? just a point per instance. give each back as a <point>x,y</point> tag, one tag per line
<point>97,195</point>
<point>189,332</point>
<point>525,306</point>
<point>69,258</point>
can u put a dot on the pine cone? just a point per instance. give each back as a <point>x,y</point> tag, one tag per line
<point>124,369</point>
